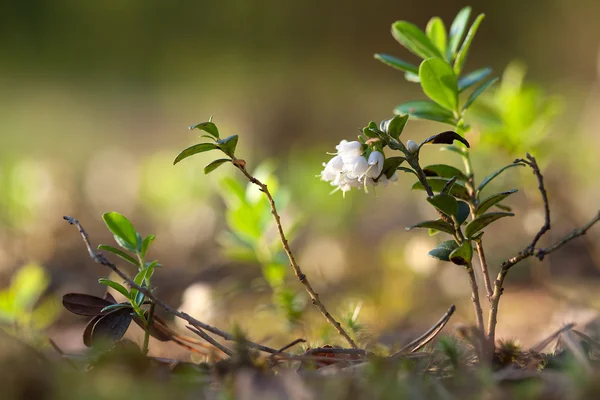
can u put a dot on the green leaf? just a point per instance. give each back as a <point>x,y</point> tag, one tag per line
<point>449,185</point>
<point>463,254</point>
<point>426,109</point>
<point>458,150</point>
<point>229,144</point>
<point>411,37</point>
<point>477,92</point>
<point>484,220</point>
<point>493,200</point>
<point>436,32</point>
<point>117,286</point>
<point>447,137</point>
<point>473,78</point>
<point>445,203</point>
<point>214,165</point>
<point>412,77</point>
<point>464,49</point>
<point>390,165</point>
<point>439,82</point>
<point>463,212</point>
<point>407,170</point>
<point>146,244</point>
<point>113,307</point>
<point>495,174</point>
<point>442,252</point>
<point>444,171</point>
<point>195,149</point>
<point>457,31</point>
<point>207,127</point>
<point>274,274</point>
<point>503,207</point>
<point>437,184</point>
<point>438,225</point>
<point>123,230</point>
<point>119,253</point>
<point>395,126</point>
<point>397,63</point>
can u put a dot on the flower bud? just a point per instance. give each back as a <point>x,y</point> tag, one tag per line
<point>412,147</point>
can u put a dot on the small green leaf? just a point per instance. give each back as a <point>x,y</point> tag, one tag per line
<point>229,144</point>
<point>477,92</point>
<point>493,200</point>
<point>449,184</point>
<point>445,203</point>
<point>463,212</point>
<point>390,165</point>
<point>411,37</point>
<point>395,126</point>
<point>207,127</point>
<point>473,78</point>
<point>464,49</point>
<point>442,252</point>
<point>397,63</point>
<point>495,174</point>
<point>274,274</point>
<point>463,254</point>
<point>113,307</point>
<point>214,165</point>
<point>426,109</point>
<point>457,31</point>
<point>117,286</point>
<point>195,149</point>
<point>407,170</point>
<point>439,82</point>
<point>122,230</point>
<point>436,32</point>
<point>146,244</point>
<point>438,225</point>
<point>447,137</point>
<point>503,207</point>
<point>119,253</point>
<point>444,171</point>
<point>484,220</point>
<point>437,184</point>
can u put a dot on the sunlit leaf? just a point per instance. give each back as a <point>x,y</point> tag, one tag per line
<point>426,109</point>
<point>493,200</point>
<point>464,49</point>
<point>438,225</point>
<point>442,252</point>
<point>444,171</point>
<point>397,63</point>
<point>439,82</point>
<point>195,149</point>
<point>473,78</point>
<point>495,174</point>
<point>117,286</point>
<point>445,203</point>
<point>457,31</point>
<point>119,253</point>
<point>484,220</point>
<point>122,230</point>
<point>395,126</point>
<point>215,164</point>
<point>463,254</point>
<point>436,32</point>
<point>146,244</point>
<point>477,92</point>
<point>414,39</point>
<point>229,144</point>
<point>208,127</point>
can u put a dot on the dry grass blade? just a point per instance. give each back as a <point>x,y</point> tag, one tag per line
<point>577,351</point>
<point>538,347</point>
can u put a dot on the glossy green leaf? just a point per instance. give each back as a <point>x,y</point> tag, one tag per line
<point>146,244</point>
<point>438,225</point>
<point>437,184</point>
<point>493,200</point>
<point>229,144</point>
<point>484,220</point>
<point>444,203</point>
<point>477,92</point>
<point>395,126</point>
<point>113,307</point>
<point>119,253</point>
<point>397,63</point>
<point>457,31</point>
<point>215,164</point>
<point>439,82</point>
<point>495,174</point>
<point>447,137</point>
<point>426,109</point>
<point>414,39</point>
<point>208,127</point>
<point>463,254</point>
<point>473,78</point>
<point>117,286</point>
<point>436,32</point>
<point>442,252</point>
<point>390,165</point>
<point>407,170</point>
<point>463,212</point>
<point>448,187</point>
<point>444,171</point>
<point>122,229</point>
<point>464,49</point>
<point>195,149</point>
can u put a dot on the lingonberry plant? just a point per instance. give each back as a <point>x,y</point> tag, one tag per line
<point>381,151</point>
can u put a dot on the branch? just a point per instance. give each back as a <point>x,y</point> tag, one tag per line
<point>210,340</point>
<point>484,269</point>
<point>240,164</point>
<point>100,259</point>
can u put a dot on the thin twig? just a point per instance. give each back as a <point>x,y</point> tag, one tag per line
<point>299,274</point>
<point>538,347</point>
<point>335,350</point>
<point>484,269</point>
<point>478,311</point>
<point>292,344</point>
<point>425,338</point>
<point>60,352</point>
<point>210,340</point>
<point>541,253</point>
<point>100,259</point>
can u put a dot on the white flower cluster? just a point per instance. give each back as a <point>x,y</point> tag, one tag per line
<point>349,168</point>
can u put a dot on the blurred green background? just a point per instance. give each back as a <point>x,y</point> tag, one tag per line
<point>96,98</point>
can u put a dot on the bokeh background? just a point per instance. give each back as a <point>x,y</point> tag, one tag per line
<point>95,102</point>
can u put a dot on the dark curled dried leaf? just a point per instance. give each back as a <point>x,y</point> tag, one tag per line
<point>447,137</point>
<point>112,326</point>
<point>84,304</point>
<point>87,332</point>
